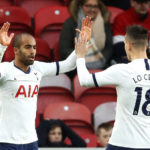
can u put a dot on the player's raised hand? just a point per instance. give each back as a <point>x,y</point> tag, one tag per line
<point>86,27</point>
<point>80,45</point>
<point>4,38</point>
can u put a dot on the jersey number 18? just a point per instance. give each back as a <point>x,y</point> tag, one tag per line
<point>138,101</point>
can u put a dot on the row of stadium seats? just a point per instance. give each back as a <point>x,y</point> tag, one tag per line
<point>33,5</point>
<point>48,23</point>
<point>78,117</point>
<point>57,101</point>
<point>58,89</point>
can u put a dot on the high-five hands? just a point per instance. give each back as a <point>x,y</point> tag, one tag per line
<point>4,38</point>
<point>84,36</point>
<point>81,45</point>
<point>86,27</point>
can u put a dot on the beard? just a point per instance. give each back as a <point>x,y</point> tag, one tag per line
<point>27,62</point>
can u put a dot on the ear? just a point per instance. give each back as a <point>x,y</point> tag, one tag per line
<point>16,50</point>
<point>129,46</point>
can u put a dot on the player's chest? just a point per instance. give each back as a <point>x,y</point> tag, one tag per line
<point>19,76</point>
<point>23,85</point>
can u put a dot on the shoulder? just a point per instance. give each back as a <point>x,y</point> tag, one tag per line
<point>37,65</point>
<point>43,66</point>
<point>6,64</point>
<point>118,68</point>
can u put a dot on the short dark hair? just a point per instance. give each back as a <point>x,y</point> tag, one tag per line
<point>55,126</point>
<point>18,39</point>
<point>137,34</point>
<point>107,126</point>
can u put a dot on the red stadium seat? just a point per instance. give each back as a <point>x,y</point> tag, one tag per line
<point>114,12</point>
<point>49,22</point>
<point>43,52</point>
<point>32,6</point>
<point>56,51</point>
<point>76,115</point>
<point>6,2</point>
<point>52,94</point>
<point>78,89</point>
<point>18,17</point>
<point>9,54</point>
<point>92,97</point>
<point>90,140</point>
<point>54,89</point>
<point>67,2</point>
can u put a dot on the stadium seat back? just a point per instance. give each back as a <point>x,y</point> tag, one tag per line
<point>68,111</point>
<point>79,126</point>
<point>6,2</point>
<point>49,22</point>
<point>49,95</point>
<point>56,51</point>
<point>89,138</point>
<point>75,115</point>
<point>9,53</point>
<point>114,12</point>
<point>32,6</point>
<point>78,89</point>
<point>18,17</point>
<point>43,52</point>
<point>93,96</point>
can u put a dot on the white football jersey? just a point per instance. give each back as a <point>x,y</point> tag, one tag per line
<point>18,101</point>
<point>132,81</point>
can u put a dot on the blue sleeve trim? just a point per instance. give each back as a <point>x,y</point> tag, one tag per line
<point>57,67</point>
<point>94,79</point>
<point>146,64</point>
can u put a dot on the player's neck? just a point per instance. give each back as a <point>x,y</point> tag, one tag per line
<point>21,66</point>
<point>139,56</point>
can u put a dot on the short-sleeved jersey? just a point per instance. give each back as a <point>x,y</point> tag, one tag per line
<point>18,100</point>
<point>132,81</point>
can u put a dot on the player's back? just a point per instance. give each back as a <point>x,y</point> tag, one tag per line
<point>132,125</point>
